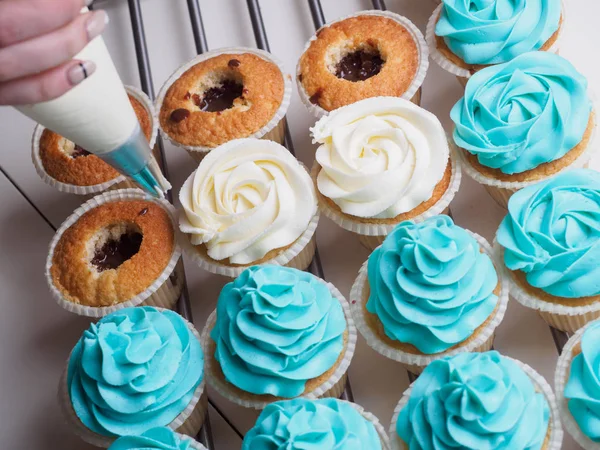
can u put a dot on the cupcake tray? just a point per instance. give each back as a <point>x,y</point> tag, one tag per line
<point>199,35</point>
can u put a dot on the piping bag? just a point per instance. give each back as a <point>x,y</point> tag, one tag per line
<point>97,115</point>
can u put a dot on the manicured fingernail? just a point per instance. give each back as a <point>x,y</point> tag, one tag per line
<point>96,24</point>
<point>81,71</point>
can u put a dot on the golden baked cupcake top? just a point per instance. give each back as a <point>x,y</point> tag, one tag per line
<point>113,252</point>
<point>69,163</point>
<point>356,58</point>
<point>226,97</point>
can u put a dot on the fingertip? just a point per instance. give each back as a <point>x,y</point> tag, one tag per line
<point>80,71</point>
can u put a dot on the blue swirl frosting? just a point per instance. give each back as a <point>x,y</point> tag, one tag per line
<point>494,31</point>
<point>431,286</point>
<point>134,370</point>
<point>300,424</point>
<point>474,401</point>
<point>160,438</point>
<point>583,386</point>
<point>276,329</point>
<point>524,113</point>
<point>552,234</point>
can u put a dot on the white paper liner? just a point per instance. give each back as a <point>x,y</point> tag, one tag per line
<point>455,69</point>
<point>225,389</point>
<point>119,181</point>
<point>541,385</point>
<point>266,129</point>
<point>412,93</point>
<point>165,294</point>
<point>482,337</point>
<point>561,376</point>
<point>373,229</point>
<point>530,300</point>
<point>98,440</point>
<point>284,258</point>
<point>193,443</point>
<point>383,436</point>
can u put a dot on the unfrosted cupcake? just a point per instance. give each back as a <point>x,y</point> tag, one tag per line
<point>70,168</point>
<point>524,121</point>
<point>278,333</point>
<point>430,290</point>
<point>474,401</point>
<point>550,241</point>
<point>577,384</point>
<point>222,95</point>
<point>118,249</point>
<point>249,202</point>
<point>465,36</point>
<point>160,438</point>
<point>324,424</point>
<point>134,370</point>
<point>382,161</point>
<point>369,54</point>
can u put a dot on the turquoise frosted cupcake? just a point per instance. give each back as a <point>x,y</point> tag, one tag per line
<point>431,289</point>
<point>161,438</point>
<point>522,122</point>
<point>577,384</point>
<point>465,36</point>
<point>550,242</point>
<point>278,333</point>
<point>475,401</point>
<point>324,424</point>
<point>134,370</point>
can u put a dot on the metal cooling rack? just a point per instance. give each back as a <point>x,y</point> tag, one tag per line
<point>260,35</point>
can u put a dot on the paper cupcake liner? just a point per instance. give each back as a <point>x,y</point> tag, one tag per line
<point>561,376</point>
<point>273,128</point>
<point>195,445</point>
<point>461,73</point>
<point>188,422</point>
<point>329,388</point>
<point>119,182</point>
<point>541,385</point>
<point>298,256</point>
<point>381,230</point>
<point>383,436</point>
<point>163,292</point>
<point>501,191</point>
<point>482,341</point>
<point>413,93</point>
<point>561,317</point>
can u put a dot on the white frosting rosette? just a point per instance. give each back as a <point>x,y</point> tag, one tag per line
<point>248,199</point>
<point>380,158</point>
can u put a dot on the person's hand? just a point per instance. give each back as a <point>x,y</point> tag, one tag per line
<point>38,39</point>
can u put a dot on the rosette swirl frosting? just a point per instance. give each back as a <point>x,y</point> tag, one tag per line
<point>276,329</point>
<point>552,233</point>
<point>247,197</point>
<point>300,424</point>
<point>380,157</point>
<point>474,401</point>
<point>518,115</point>
<point>134,370</point>
<point>495,31</point>
<point>431,286</point>
<point>583,387</point>
<point>160,438</point>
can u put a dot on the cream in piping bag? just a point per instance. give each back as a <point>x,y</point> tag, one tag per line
<point>96,115</point>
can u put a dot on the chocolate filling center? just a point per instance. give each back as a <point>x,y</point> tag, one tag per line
<point>79,151</point>
<point>220,98</point>
<point>115,252</point>
<point>359,65</point>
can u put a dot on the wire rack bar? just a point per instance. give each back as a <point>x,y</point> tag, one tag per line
<point>197,26</point>
<point>316,11</point>
<point>143,60</point>
<point>379,4</point>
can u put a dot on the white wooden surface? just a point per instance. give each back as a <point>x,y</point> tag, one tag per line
<point>36,335</point>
